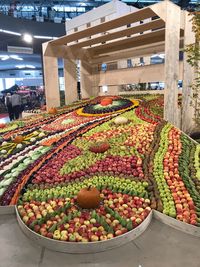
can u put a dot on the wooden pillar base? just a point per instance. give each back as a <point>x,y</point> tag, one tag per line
<point>71,93</point>
<point>51,80</point>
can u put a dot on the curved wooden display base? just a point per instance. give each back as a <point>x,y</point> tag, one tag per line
<point>90,247</point>
<point>4,210</point>
<point>94,247</point>
<point>178,225</point>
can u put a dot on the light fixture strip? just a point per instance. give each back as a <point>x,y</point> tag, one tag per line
<point>35,36</point>
<point>43,37</point>
<point>10,32</point>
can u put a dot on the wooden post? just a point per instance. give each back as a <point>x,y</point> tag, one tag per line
<point>172,39</point>
<point>87,89</point>
<point>51,81</point>
<point>70,78</point>
<point>188,77</point>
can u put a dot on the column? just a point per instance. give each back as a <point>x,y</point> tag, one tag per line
<point>172,38</point>
<point>87,89</point>
<point>188,77</point>
<point>51,81</point>
<point>70,78</point>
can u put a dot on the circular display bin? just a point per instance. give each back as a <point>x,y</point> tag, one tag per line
<point>178,225</point>
<point>90,247</point>
<point>4,210</point>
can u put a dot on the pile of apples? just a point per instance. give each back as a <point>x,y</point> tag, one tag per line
<point>141,137</point>
<point>49,173</point>
<point>185,208</point>
<point>62,219</point>
<point>143,114</point>
<point>66,121</point>
<point>116,164</point>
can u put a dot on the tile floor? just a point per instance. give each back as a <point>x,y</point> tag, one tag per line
<point>159,246</point>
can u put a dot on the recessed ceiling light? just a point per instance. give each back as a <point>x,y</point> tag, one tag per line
<point>16,57</point>
<point>25,66</point>
<point>30,66</point>
<point>27,38</point>
<point>20,66</point>
<point>5,58</point>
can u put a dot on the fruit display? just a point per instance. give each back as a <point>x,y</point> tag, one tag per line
<point>52,111</point>
<point>108,106</point>
<point>120,120</point>
<point>94,170</point>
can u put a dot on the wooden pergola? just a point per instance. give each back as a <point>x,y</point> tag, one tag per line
<point>165,28</point>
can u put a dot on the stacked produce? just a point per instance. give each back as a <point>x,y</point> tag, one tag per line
<point>94,170</point>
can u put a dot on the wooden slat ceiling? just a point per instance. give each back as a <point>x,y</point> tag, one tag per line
<point>152,25</point>
<point>130,18</point>
<point>144,50</point>
<point>143,39</point>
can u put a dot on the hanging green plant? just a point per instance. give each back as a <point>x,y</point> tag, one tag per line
<point>193,58</point>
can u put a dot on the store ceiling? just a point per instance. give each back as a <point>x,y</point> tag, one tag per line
<point>87,3</point>
<point>28,62</point>
<point>10,26</point>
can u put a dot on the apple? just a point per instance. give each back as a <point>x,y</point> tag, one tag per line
<point>84,240</point>
<point>138,220</point>
<point>109,236</point>
<point>94,238</point>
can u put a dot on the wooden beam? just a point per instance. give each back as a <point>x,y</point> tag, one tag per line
<point>143,39</point>
<point>133,17</point>
<point>61,51</point>
<point>131,53</point>
<point>155,24</point>
<point>160,9</point>
<point>172,39</point>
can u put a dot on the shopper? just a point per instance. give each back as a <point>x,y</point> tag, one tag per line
<point>16,104</point>
<point>8,103</point>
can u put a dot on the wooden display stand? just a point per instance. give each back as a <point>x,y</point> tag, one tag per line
<point>165,29</point>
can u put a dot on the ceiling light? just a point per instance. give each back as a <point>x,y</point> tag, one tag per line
<point>43,37</point>
<point>16,57</point>
<point>25,66</point>
<point>10,32</point>
<point>5,58</point>
<point>27,38</point>
<point>20,66</point>
<point>30,66</point>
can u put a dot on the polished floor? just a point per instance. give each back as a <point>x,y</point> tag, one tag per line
<point>4,118</point>
<point>159,246</point>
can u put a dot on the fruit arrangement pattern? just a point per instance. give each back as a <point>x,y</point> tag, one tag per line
<point>113,151</point>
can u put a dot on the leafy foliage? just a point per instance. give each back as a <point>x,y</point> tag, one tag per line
<point>193,54</point>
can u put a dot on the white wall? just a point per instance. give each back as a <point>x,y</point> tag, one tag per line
<point>110,11</point>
